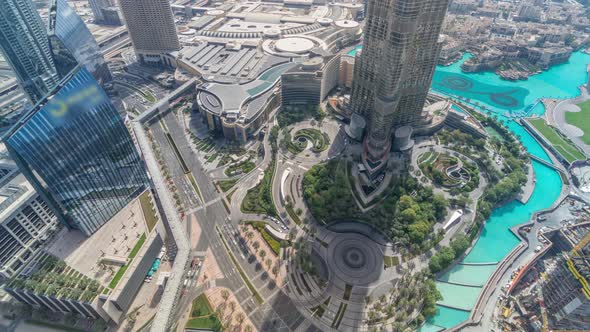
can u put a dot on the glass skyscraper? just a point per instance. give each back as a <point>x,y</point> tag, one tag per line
<point>23,41</point>
<point>75,149</point>
<point>72,43</point>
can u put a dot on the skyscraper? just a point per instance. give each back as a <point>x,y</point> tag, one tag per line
<point>96,6</point>
<point>75,149</point>
<point>72,43</point>
<point>23,41</point>
<point>394,72</point>
<point>151,27</point>
<point>105,12</point>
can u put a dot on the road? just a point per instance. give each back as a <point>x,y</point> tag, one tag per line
<point>277,313</point>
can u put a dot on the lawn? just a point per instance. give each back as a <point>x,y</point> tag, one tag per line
<point>565,148</point>
<point>201,306</point>
<point>226,185</point>
<point>123,268</point>
<point>581,120</point>
<point>202,315</point>
<point>240,168</point>
<point>148,210</point>
<point>259,199</point>
<point>390,261</point>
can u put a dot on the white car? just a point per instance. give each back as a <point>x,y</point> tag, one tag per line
<point>538,248</point>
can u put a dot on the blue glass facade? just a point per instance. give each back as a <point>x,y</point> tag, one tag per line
<point>72,43</point>
<point>76,150</point>
<point>23,41</point>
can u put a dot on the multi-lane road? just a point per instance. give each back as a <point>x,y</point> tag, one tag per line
<point>277,312</point>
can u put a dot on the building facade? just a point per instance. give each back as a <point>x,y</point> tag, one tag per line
<point>24,43</point>
<point>26,221</point>
<point>394,71</point>
<point>308,83</point>
<point>75,149</point>
<point>72,43</point>
<point>151,27</point>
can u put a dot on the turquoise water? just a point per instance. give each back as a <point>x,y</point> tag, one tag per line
<point>355,50</point>
<point>456,296</point>
<point>560,81</point>
<point>496,241</point>
<point>445,318</point>
<point>470,275</point>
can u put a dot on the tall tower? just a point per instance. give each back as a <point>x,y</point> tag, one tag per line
<point>23,41</point>
<point>76,151</point>
<point>96,6</point>
<point>151,26</point>
<point>71,43</point>
<point>395,68</point>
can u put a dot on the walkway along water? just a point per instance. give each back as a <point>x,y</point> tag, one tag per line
<point>462,285</point>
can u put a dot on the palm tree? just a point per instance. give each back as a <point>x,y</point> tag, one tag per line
<point>256,245</point>
<point>232,307</point>
<point>248,328</point>
<point>268,263</point>
<point>224,295</point>
<point>262,253</point>
<point>240,319</point>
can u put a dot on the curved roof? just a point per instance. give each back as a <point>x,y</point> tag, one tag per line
<point>218,98</point>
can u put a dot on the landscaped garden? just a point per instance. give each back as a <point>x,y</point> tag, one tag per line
<point>448,171</point>
<point>581,120</point>
<point>269,239</point>
<point>240,168</point>
<point>292,114</point>
<point>406,214</point>
<point>226,185</point>
<point>567,149</point>
<point>409,303</point>
<point>302,138</point>
<point>203,316</point>
<point>259,199</point>
<point>149,212</point>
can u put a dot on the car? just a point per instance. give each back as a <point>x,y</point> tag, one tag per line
<point>538,248</point>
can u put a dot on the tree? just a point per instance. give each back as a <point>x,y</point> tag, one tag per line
<point>460,244</point>
<point>224,295</point>
<point>268,263</point>
<point>408,216</point>
<point>256,245</point>
<point>262,253</point>
<point>249,235</point>
<point>240,318</point>
<point>439,203</point>
<point>275,270</point>
<point>232,307</point>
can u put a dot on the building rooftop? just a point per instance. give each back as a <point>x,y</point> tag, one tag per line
<point>295,45</point>
<point>221,98</point>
